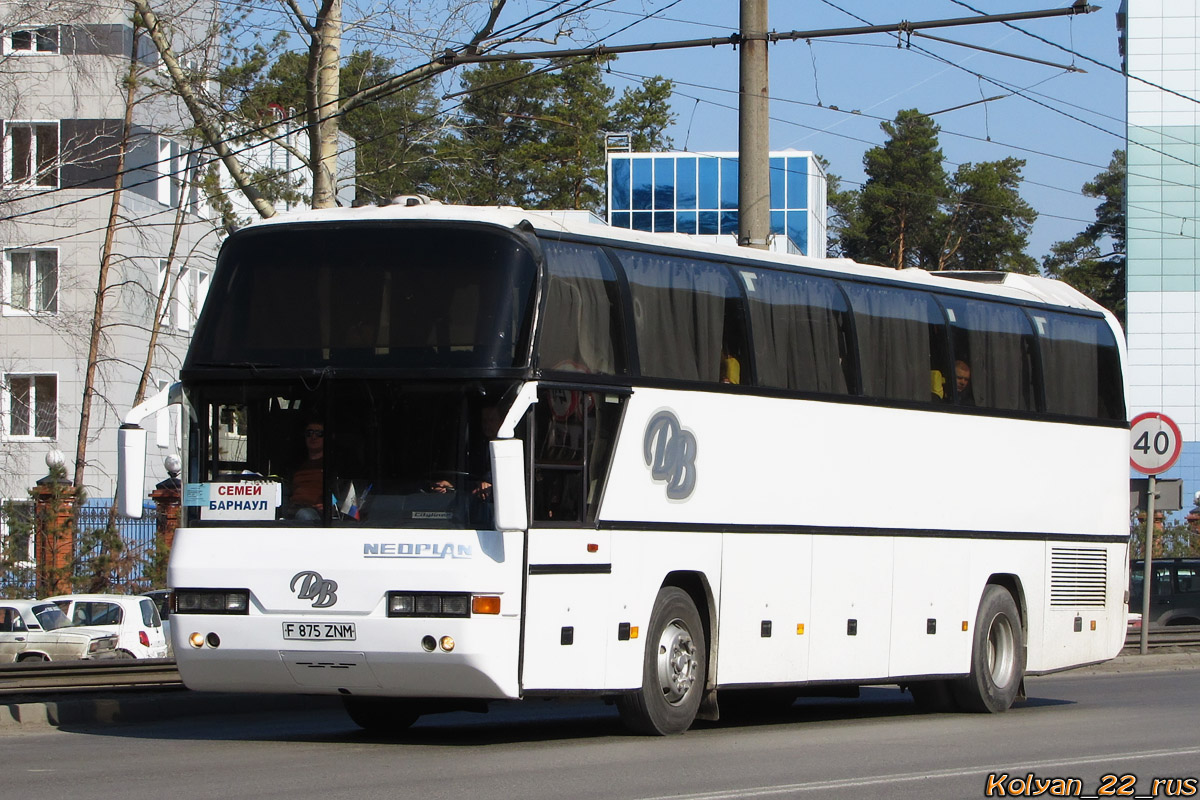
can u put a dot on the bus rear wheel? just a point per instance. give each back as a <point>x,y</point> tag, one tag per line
<point>997,655</point>
<point>673,668</point>
<point>385,716</point>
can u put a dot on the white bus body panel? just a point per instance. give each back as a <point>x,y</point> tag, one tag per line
<point>915,531</point>
<point>386,657</point>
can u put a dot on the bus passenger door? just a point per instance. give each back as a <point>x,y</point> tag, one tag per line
<point>568,586</point>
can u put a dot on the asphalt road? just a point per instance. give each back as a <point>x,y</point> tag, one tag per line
<point>1086,726</point>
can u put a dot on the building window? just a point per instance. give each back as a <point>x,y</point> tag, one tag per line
<point>32,40</point>
<point>32,285</point>
<point>31,153</point>
<point>169,173</point>
<point>16,533</point>
<point>185,295</point>
<point>31,406</point>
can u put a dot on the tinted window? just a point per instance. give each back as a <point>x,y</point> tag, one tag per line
<point>993,355</point>
<point>1080,366</point>
<point>379,295</point>
<point>150,616</point>
<point>686,317</point>
<point>1187,577</point>
<point>901,342</point>
<point>94,613</point>
<point>800,331</point>
<point>581,327</point>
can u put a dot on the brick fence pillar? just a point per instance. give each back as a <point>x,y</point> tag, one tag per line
<point>54,533</point>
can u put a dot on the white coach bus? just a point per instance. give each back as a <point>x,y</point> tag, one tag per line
<point>438,456</point>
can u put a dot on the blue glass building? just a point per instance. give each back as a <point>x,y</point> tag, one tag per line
<point>697,193</point>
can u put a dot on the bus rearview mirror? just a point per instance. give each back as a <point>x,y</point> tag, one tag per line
<point>508,484</point>
<point>131,470</point>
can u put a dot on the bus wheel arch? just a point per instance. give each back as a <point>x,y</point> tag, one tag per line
<point>998,650</point>
<point>674,665</point>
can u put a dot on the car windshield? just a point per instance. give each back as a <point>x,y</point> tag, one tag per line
<point>51,617</point>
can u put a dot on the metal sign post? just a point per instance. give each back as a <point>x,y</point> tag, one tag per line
<point>1154,445</point>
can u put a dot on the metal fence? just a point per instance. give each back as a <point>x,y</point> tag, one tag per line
<point>123,569</point>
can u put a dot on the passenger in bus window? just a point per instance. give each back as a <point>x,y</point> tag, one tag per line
<point>962,383</point>
<point>308,480</point>
<point>731,368</point>
<point>937,386</point>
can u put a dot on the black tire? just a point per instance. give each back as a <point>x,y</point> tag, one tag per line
<point>997,655</point>
<point>32,657</point>
<point>385,716</point>
<point>124,655</point>
<point>673,668</point>
<point>933,697</point>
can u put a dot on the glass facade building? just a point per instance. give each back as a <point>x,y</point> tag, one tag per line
<point>697,193</point>
<point>1160,40</point>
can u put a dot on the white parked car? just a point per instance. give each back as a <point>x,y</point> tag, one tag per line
<point>133,618</point>
<point>37,630</point>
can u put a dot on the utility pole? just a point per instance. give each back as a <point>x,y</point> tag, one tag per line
<point>754,169</point>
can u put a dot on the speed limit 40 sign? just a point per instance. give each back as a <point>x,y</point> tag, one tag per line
<point>1154,443</point>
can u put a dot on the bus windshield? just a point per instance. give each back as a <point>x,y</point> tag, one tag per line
<point>378,296</point>
<point>358,452</point>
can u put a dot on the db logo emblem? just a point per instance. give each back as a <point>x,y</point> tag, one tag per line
<point>313,587</point>
<point>670,453</point>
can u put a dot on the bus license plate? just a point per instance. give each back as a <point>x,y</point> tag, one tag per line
<point>319,631</point>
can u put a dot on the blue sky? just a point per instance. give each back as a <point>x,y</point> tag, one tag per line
<point>829,95</point>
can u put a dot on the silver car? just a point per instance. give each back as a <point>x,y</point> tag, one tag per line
<point>35,630</point>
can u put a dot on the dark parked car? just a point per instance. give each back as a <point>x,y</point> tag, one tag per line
<point>1175,598</point>
<point>162,599</point>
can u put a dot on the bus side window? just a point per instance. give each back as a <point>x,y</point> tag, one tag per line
<point>801,337</point>
<point>581,327</point>
<point>680,313</point>
<point>993,355</point>
<point>901,336</point>
<point>1080,365</point>
<point>573,440</point>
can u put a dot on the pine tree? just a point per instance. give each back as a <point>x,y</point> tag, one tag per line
<point>897,209</point>
<point>1094,260</point>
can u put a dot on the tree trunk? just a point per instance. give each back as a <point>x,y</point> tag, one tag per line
<point>326,54</point>
<point>89,378</point>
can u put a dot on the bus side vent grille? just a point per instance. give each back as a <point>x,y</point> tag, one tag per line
<point>1078,576</point>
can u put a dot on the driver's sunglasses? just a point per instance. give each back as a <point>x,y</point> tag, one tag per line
<point>314,434</point>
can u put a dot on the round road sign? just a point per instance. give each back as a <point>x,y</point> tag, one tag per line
<point>1154,443</point>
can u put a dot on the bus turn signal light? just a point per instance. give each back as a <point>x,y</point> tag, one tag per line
<point>485,604</point>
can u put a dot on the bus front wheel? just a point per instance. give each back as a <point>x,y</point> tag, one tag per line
<point>997,655</point>
<point>384,716</point>
<point>673,668</point>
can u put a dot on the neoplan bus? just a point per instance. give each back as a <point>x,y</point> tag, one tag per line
<point>561,458</point>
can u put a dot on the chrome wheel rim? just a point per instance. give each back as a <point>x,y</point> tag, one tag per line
<point>1001,651</point>
<point>677,665</point>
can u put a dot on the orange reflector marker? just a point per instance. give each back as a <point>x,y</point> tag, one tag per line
<point>964,624</point>
<point>1093,624</point>
<point>633,631</point>
<point>485,604</point>
<point>799,628</point>
<point>593,548</point>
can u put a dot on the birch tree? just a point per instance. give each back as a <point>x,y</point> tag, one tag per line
<point>428,35</point>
